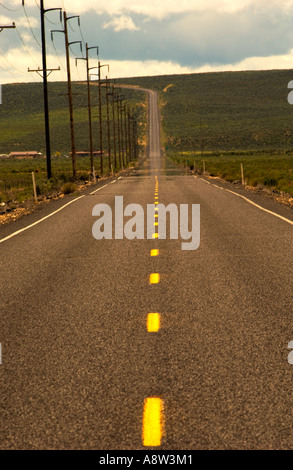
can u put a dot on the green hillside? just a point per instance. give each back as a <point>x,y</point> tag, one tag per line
<point>225,110</point>
<point>226,119</point>
<point>22,130</point>
<point>221,111</point>
<point>222,119</point>
<point>22,118</point>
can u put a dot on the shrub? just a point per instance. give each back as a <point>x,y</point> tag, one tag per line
<point>269,181</point>
<point>83,176</point>
<point>64,177</point>
<point>68,188</point>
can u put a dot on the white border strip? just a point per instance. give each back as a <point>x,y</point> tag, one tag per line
<point>39,221</point>
<point>50,215</point>
<point>250,202</point>
<point>102,187</point>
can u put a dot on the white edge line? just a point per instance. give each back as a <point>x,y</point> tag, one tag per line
<point>251,202</point>
<point>50,215</point>
<point>39,221</point>
<point>102,187</point>
<point>99,189</point>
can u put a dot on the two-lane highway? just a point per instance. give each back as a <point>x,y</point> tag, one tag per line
<point>136,344</point>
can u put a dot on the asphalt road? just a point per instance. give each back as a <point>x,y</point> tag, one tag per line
<point>78,361</point>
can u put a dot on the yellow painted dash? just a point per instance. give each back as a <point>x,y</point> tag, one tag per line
<point>154,278</point>
<point>154,252</point>
<point>153,322</point>
<point>152,422</point>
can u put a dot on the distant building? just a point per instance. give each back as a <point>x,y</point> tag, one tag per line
<point>22,155</point>
<point>85,154</point>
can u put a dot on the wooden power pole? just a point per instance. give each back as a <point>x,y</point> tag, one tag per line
<point>69,85</point>
<point>88,69</point>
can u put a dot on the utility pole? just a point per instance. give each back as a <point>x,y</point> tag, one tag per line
<point>114,126</point>
<point>108,124</point>
<point>12,26</point>
<point>121,127</point>
<point>100,114</point>
<point>129,134</point>
<point>126,134</point>
<point>135,143</point>
<point>89,110</point>
<point>45,90</point>
<point>88,68</point>
<point>69,85</point>
<point>45,73</point>
<point>117,99</point>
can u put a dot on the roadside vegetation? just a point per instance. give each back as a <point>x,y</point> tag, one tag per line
<point>260,169</point>
<point>22,130</point>
<point>213,120</point>
<point>226,119</point>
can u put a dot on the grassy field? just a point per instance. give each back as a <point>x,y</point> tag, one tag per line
<point>224,119</point>
<point>22,117</point>
<point>16,177</point>
<point>260,169</point>
<point>22,129</point>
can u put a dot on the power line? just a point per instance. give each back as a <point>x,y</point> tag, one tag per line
<point>8,71</point>
<point>25,46</point>
<point>62,66</point>
<point>53,22</point>
<point>2,57</point>
<point>83,40</point>
<point>37,41</point>
<point>30,27</point>
<point>10,9</point>
<point>73,30</point>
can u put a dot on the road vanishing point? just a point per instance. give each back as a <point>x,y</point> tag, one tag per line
<point>137,344</point>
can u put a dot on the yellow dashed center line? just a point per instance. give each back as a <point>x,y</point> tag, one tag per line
<point>153,322</point>
<point>153,406</point>
<point>154,278</point>
<point>152,422</point>
<point>154,252</point>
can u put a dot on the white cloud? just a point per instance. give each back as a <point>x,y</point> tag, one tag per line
<point>158,9</point>
<point>120,23</point>
<point>153,67</point>
<point>28,22</point>
<point>120,69</point>
<point>184,37</point>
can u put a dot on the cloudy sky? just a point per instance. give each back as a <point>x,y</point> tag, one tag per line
<point>153,37</point>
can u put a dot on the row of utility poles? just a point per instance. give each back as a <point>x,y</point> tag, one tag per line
<point>123,147</point>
